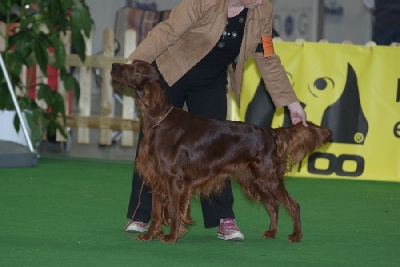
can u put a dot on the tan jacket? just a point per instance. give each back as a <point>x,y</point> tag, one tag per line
<point>192,30</point>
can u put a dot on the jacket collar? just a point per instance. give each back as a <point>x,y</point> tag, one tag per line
<point>222,8</point>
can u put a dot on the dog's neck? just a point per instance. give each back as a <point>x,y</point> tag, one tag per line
<point>155,108</point>
<point>157,123</point>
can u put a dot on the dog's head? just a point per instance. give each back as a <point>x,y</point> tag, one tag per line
<point>297,141</point>
<point>134,75</point>
<point>144,79</point>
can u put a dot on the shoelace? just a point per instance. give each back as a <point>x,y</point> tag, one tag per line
<point>230,225</point>
<point>141,224</point>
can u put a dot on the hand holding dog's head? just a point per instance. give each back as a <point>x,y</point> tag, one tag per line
<point>134,75</point>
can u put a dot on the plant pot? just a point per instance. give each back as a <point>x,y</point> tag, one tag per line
<point>7,129</point>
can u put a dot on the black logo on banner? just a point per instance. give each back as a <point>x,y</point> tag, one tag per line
<point>344,117</point>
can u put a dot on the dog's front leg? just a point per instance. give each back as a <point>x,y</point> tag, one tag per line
<point>173,208</point>
<point>156,221</point>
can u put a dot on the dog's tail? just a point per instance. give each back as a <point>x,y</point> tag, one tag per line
<point>297,141</point>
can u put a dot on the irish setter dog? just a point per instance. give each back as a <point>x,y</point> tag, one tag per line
<point>182,154</point>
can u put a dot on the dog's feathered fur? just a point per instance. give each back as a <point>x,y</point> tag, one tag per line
<point>183,154</point>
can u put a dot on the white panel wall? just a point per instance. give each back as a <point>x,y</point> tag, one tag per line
<point>103,13</point>
<point>338,20</point>
<point>294,19</point>
<point>347,20</point>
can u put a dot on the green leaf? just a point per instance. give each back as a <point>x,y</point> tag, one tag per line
<point>61,128</point>
<point>15,60</point>
<point>23,43</point>
<point>70,83</point>
<point>30,60</point>
<point>58,106</point>
<point>41,54</point>
<point>59,52</point>
<point>41,118</point>
<point>45,93</point>
<point>36,129</point>
<point>76,89</point>
<point>81,19</point>
<point>79,44</point>
<point>52,127</point>
<point>4,95</point>
<point>58,14</point>
<point>17,123</point>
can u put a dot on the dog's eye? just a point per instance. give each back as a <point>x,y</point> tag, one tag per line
<point>137,70</point>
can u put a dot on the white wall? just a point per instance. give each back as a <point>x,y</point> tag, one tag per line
<point>294,19</point>
<point>339,20</point>
<point>155,4</point>
<point>347,20</point>
<point>103,13</point>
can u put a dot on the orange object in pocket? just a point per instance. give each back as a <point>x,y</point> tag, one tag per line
<point>268,46</point>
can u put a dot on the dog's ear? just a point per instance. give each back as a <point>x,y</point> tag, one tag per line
<point>149,73</point>
<point>154,74</point>
<point>297,141</point>
<point>144,73</point>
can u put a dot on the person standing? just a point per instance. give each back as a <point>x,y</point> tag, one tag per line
<point>192,50</point>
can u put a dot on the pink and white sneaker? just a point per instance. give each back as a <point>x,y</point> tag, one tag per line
<point>137,227</point>
<point>228,230</point>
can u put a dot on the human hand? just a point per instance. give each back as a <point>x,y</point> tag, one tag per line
<point>128,62</point>
<point>297,113</point>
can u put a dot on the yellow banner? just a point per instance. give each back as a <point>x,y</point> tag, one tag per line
<point>353,90</point>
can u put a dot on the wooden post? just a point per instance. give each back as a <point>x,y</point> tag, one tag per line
<point>128,108</point>
<point>106,88</point>
<point>2,33</point>
<point>85,100</point>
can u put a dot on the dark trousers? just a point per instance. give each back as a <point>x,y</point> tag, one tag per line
<point>383,36</point>
<point>210,103</point>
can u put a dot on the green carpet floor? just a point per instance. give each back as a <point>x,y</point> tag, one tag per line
<point>71,212</point>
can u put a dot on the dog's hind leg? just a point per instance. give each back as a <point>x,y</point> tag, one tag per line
<point>272,207</point>
<point>293,207</point>
<point>259,189</point>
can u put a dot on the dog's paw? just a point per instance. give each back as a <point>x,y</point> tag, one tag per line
<point>269,234</point>
<point>145,237</point>
<point>295,237</point>
<point>168,239</point>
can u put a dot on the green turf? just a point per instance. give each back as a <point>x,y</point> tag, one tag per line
<point>71,212</point>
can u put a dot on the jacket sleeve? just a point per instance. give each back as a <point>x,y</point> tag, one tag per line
<point>167,33</point>
<point>272,71</point>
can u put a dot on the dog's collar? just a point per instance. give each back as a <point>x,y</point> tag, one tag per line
<point>161,119</point>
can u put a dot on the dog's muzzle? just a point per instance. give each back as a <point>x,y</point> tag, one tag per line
<point>115,67</point>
